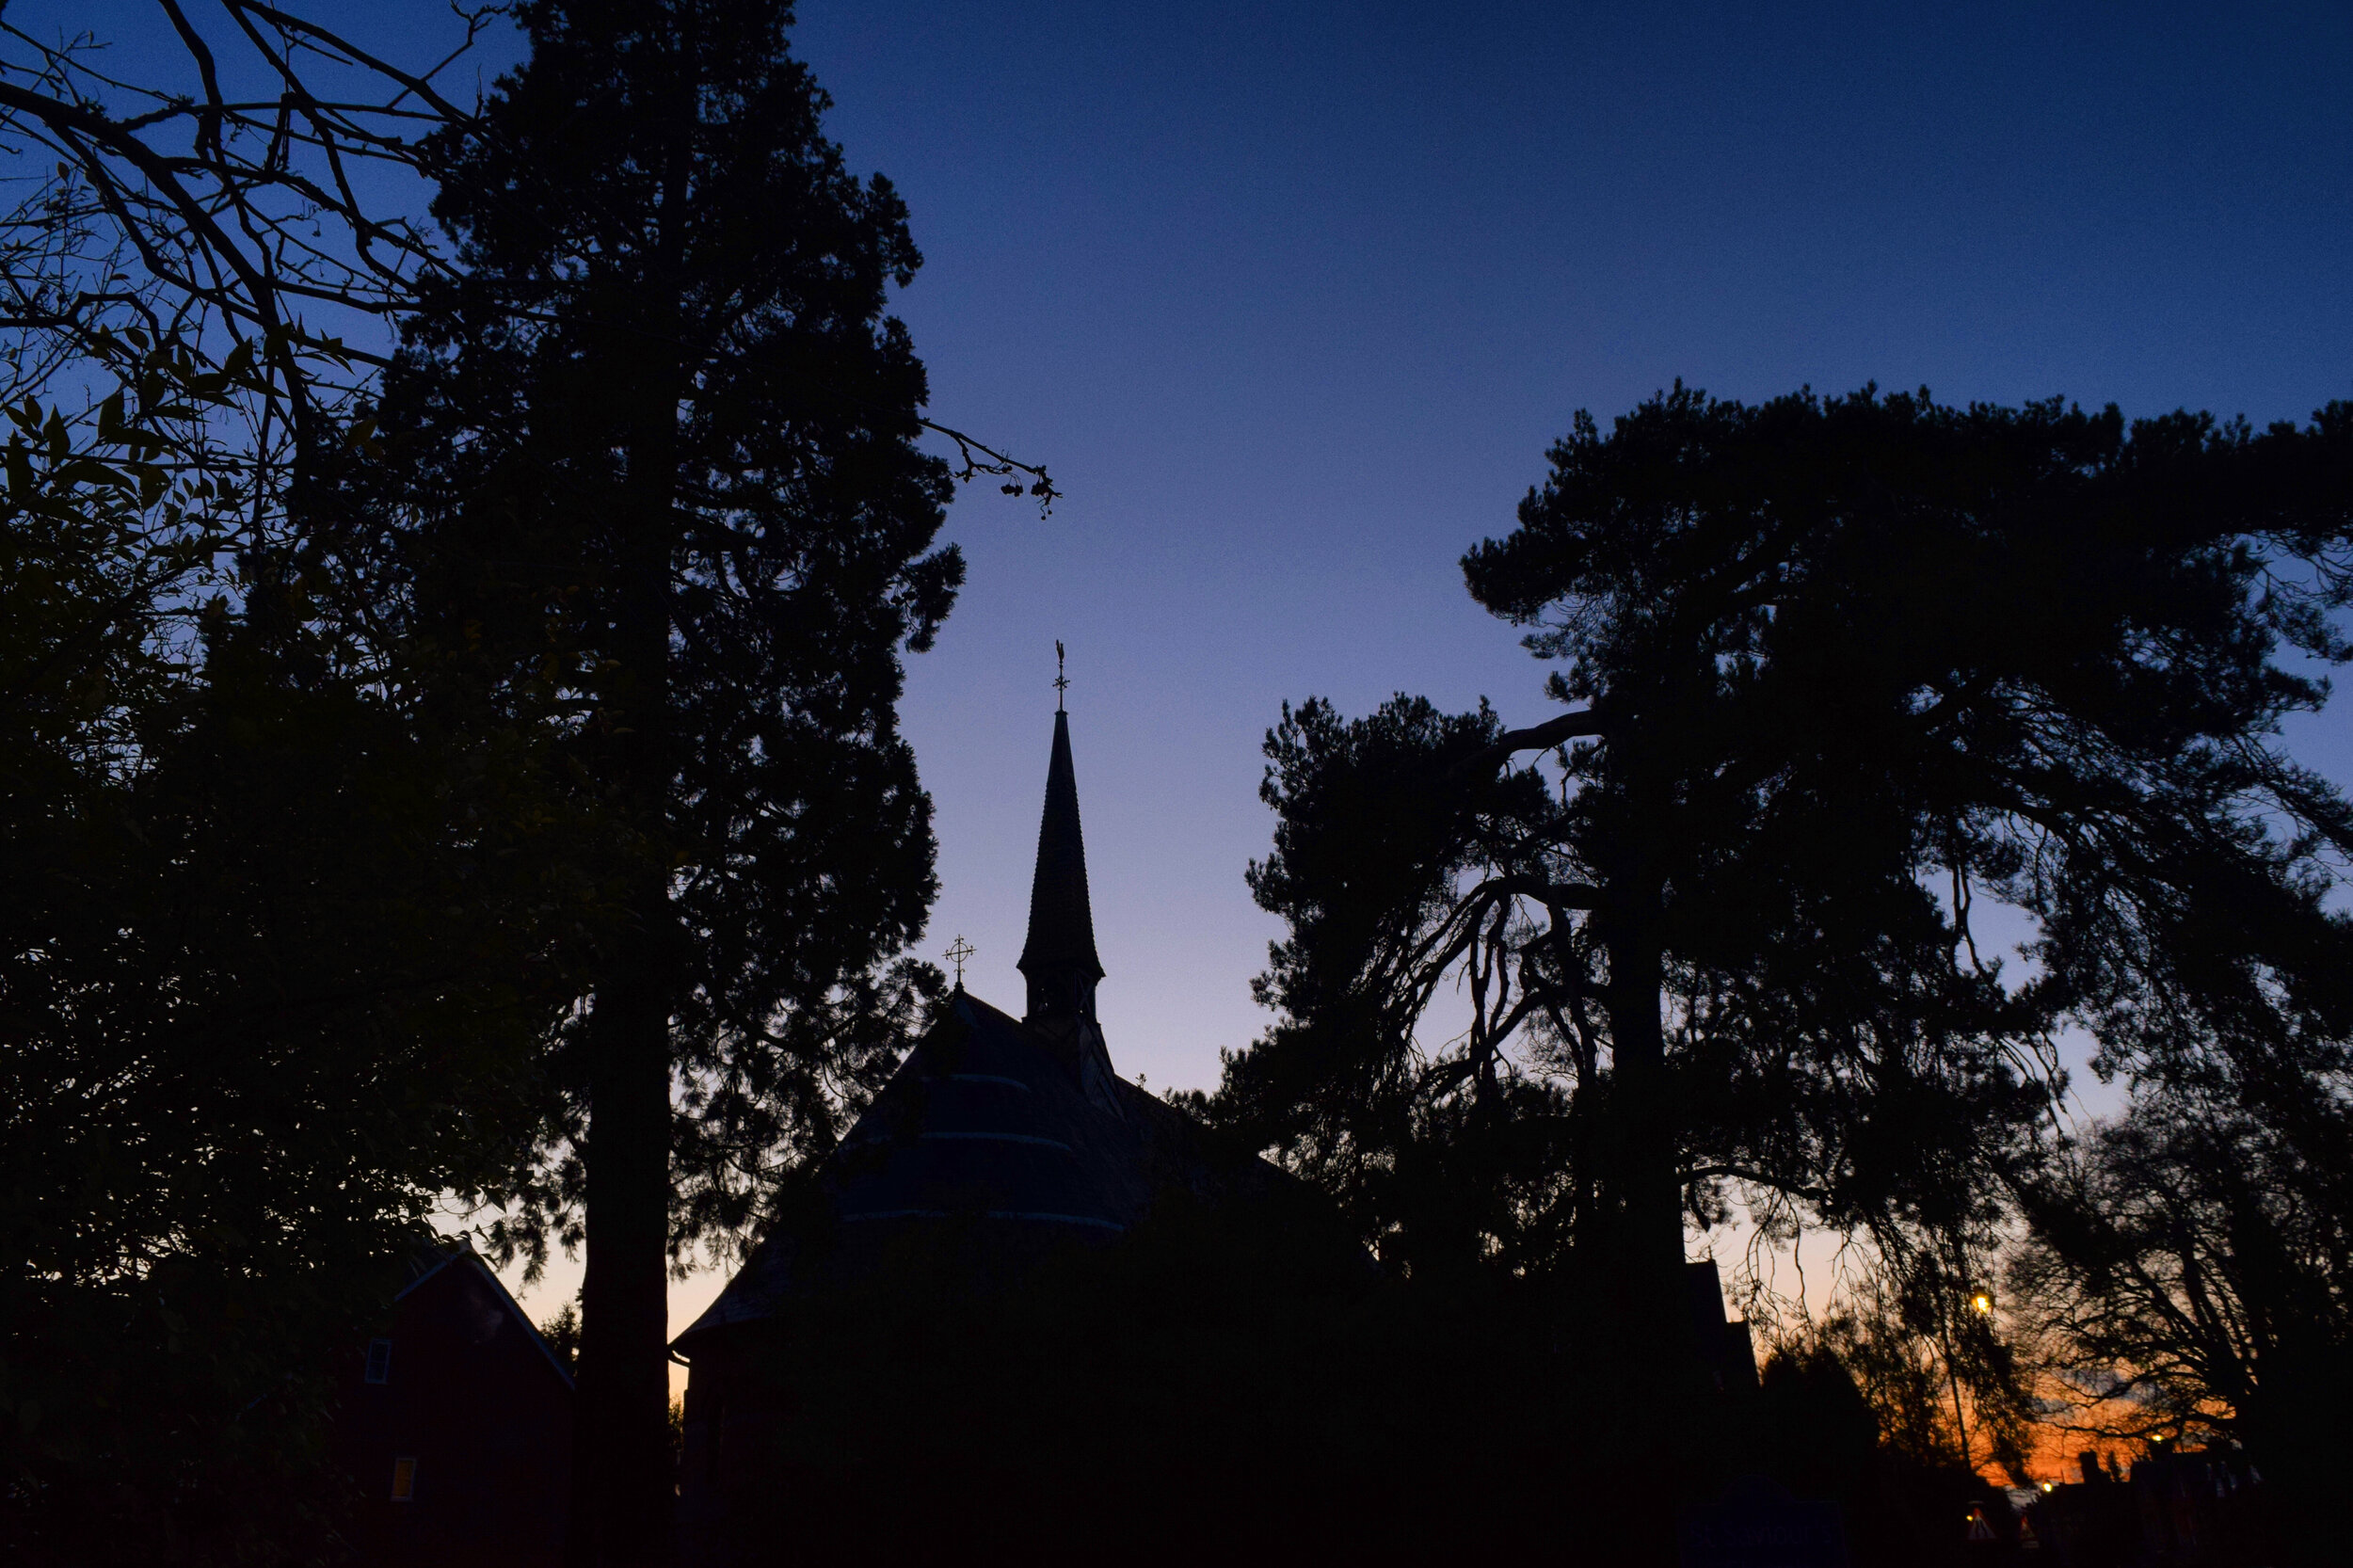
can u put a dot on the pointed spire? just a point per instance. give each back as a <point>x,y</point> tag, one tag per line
<point>1059,960</point>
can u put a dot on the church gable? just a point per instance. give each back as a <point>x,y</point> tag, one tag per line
<point>985,1120</point>
<point>1020,1127</point>
<point>1019,1301</point>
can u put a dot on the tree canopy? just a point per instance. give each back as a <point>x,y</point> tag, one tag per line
<point>659,500</point>
<point>274,979</point>
<point>275,969</point>
<point>483,756</point>
<point>1846,671</point>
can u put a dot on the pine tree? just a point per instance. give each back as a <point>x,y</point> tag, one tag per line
<point>1845,667</point>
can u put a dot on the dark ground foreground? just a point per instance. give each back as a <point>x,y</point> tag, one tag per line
<point>1182,1398</point>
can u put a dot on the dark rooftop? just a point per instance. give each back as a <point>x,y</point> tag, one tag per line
<point>985,1122</point>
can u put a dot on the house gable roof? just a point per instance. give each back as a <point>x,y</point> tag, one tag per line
<point>429,1263</point>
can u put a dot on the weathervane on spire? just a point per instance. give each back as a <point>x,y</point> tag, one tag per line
<point>958,951</point>
<point>1061,681</point>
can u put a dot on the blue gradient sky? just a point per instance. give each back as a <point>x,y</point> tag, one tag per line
<point>1292,298</point>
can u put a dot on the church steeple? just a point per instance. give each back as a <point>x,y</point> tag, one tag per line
<point>1059,960</point>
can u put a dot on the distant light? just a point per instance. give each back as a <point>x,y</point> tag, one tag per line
<point>2046,1486</point>
<point>1983,1302</point>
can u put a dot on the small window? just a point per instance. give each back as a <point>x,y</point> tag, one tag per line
<point>379,1360</point>
<point>403,1480</point>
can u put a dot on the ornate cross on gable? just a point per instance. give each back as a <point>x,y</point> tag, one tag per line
<point>958,951</point>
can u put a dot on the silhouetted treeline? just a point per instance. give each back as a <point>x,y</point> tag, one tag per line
<point>279,940</point>
<point>1844,671</point>
<point>469,772</point>
<point>1246,1381</point>
<point>655,497</point>
<point>474,770</point>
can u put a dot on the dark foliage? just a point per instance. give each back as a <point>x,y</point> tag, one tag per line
<point>562,1334</point>
<point>269,990</point>
<point>1849,668</point>
<point>276,972</point>
<point>649,208</point>
<point>1447,1158</point>
<point>1873,650</point>
<point>1215,1383</point>
<point>2190,1275</point>
<point>662,505</point>
<point>1825,1433</point>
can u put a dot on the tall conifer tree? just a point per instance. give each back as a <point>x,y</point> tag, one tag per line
<point>666,502</point>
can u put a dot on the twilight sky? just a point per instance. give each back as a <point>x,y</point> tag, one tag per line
<point>1292,298</point>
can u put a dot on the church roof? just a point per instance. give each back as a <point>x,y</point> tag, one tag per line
<point>1062,926</point>
<point>1019,1129</point>
<point>984,1121</point>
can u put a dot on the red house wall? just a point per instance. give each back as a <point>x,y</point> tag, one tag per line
<point>474,1397</point>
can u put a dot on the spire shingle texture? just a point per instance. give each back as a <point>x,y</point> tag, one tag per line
<point>1062,927</point>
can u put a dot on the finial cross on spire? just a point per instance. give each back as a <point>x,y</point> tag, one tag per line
<point>958,951</point>
<point>1061,681</point>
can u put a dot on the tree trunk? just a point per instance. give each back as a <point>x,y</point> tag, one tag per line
<point>623,1478</point>
<point>621,1467</point>
<point>1655,1347</point>
<point>1649,1199</point>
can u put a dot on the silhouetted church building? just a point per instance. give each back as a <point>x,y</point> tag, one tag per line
<point>1001,1140</point>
